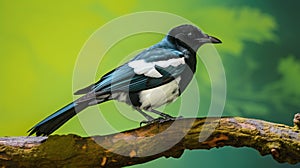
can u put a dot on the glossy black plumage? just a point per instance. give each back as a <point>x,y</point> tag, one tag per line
<point>172,59</point>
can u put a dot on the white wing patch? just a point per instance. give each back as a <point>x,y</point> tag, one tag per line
<point>148,68</point>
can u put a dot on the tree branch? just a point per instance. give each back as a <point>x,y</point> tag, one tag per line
<point>150,142</point>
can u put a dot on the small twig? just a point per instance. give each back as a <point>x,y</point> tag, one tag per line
<point>297,120</point>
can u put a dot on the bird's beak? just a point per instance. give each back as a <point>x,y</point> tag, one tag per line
<point>214,39</point>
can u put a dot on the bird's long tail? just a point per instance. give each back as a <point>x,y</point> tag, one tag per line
<point>57,119</point>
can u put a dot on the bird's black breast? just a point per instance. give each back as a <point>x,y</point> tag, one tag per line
<point>188,72</point>
<point>134,99</point>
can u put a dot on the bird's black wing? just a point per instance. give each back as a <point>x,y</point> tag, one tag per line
<point>124,78</point>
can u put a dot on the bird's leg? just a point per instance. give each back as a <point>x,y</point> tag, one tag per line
<point>148,117</point>
<point>166,116</point>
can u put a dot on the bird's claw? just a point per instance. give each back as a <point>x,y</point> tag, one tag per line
<point>159,120</point>
<point>151,121</point>
<point>179,117</point>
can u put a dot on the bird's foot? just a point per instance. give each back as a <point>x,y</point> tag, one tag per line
<point>147,122</point>
<point>159,120</point>
<point>179,117</point>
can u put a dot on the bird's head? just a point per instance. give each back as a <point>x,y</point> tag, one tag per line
<point>190,36</point>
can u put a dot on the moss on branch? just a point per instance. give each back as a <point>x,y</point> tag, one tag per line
<point>168,139</point>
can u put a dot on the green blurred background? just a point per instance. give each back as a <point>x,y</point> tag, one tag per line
<point>40,42</point>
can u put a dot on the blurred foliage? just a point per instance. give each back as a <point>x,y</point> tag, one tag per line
<point>40,41</point>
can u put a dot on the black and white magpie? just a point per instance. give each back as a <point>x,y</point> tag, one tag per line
<point>156,76</point>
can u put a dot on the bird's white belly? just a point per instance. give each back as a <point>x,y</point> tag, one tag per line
<point>158,96</point>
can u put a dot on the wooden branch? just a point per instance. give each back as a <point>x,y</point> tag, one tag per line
<point>150,142</point>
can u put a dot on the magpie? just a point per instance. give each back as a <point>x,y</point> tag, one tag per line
<point>154,77</point>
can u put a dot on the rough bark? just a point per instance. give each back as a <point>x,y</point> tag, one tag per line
<point>168,139</point>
